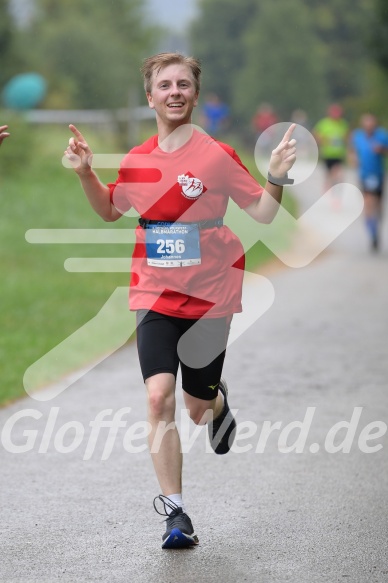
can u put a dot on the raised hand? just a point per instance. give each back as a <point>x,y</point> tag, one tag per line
<point>284,155</point>
<point>3,133</point>
<point>78,152</point>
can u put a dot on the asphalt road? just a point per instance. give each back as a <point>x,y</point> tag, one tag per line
<point>317,356</point>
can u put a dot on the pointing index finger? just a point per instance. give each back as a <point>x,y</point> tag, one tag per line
<point>77,133</point>
<point>288,133</point>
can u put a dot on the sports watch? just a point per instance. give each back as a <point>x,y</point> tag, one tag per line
<point>280,181</point>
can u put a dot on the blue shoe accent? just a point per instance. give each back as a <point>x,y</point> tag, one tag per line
<point>178,540</point>
<point>372,224</point>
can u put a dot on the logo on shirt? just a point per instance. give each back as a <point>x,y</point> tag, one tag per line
<point>192,188</point>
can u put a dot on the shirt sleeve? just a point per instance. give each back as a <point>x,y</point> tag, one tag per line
<point>384,138</point>
<point>317,129</point>
<point>353,139</point>
<point>133,173</point>
<point>242,186</point>
<point>112,186</point>
<point>119,192</point>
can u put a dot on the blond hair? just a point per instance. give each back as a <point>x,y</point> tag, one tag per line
<point>161,60</point>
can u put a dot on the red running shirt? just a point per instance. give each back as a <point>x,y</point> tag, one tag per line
<point>149,180</point>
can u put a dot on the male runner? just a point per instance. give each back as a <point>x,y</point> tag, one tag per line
<point>214,115</point>
<point>368,144</point>
<point>3,133</point>
<point>187,267</point>
<point>331,134</point>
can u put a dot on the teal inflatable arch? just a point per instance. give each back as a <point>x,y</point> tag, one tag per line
<point>24,91</point>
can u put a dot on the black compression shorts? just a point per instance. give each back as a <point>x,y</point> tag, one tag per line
<point>331,162</point>
<point>375,189</point>
<point>158,337</point>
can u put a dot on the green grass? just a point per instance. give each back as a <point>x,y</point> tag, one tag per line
<point>42,303</point>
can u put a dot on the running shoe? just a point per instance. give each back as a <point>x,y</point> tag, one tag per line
<point>222,429</point>
<point>179,529</point>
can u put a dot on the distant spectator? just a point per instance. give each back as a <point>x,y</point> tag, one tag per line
<point>215,115</point>
<point>3,133</point>
<point>262,122</point>
<point>331,134</point>
<point>300,117</point>
<point>368,145</point>
<point>264,118</point>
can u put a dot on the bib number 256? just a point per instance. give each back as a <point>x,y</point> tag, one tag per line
<point>169,246</point>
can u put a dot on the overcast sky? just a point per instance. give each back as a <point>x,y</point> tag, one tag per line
<point>172,13</point>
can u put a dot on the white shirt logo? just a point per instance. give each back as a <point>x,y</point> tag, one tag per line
<point>192,188</point>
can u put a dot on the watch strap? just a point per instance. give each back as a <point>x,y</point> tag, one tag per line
<point>279,181</point>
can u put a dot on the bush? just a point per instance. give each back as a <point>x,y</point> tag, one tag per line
<point>18,150</point>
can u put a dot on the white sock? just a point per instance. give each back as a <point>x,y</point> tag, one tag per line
<point>177,499</point>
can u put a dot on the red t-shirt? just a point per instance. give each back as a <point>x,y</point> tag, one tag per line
<point>150,181</point>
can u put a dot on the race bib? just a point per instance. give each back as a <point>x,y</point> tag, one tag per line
<point>372,182</point>
<point>337,142</point>
<point>172,245</point>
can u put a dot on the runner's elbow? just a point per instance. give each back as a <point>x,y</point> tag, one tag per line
<point>110,215</point>
<point>109,218</point>
<point>267,218</point>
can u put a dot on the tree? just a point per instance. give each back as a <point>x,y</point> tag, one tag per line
<point>11,60</point>
<point>88,51</point>
<point>283,62</point>
<point>341,27</point>
<point>288,51</point>
<point>378,33</point>
<point>216,40</point>
<point>256,51</point>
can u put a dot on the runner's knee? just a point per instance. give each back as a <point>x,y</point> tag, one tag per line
<point>161,396</point>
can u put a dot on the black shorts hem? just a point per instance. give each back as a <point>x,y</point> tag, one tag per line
<point>331,162</point>
<point>377,192</point>
<point>152,373</point>
<point>204,396</point>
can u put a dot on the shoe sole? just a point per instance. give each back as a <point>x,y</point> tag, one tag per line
<point>223,443</point>
<point>179,540</point>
